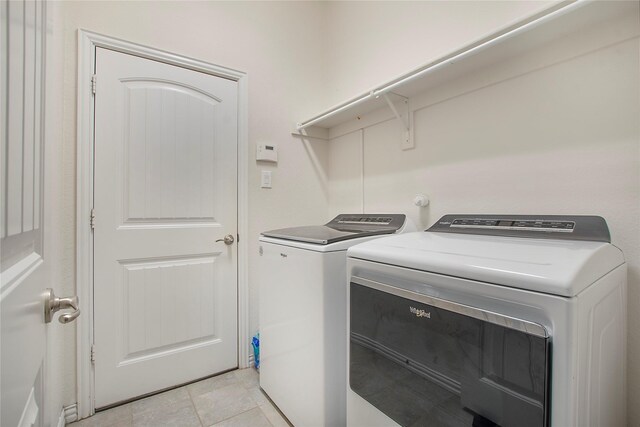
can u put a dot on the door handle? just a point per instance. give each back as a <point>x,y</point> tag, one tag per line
<point>52,304</point>
<point>228,239</point>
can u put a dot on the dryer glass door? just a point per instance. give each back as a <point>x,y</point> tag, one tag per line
<point>426,361</point>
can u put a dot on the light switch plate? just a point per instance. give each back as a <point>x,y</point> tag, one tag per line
<point>266,179</point>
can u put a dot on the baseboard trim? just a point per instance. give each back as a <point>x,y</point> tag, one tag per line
<point>61,421</point>
<point>70,414</point>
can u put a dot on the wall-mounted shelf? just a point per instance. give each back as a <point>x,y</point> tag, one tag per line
<point>536,31</point>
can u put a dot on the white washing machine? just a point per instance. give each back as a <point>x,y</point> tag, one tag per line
<point>489,320</point>
<point>303,294</point>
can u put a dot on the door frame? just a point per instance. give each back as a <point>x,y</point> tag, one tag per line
<point>87,43</point>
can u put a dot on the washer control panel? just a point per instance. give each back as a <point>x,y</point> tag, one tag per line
<point>367,222</point>
<point>578,227</point>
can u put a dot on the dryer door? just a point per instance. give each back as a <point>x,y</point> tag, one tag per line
<point>427,361</point>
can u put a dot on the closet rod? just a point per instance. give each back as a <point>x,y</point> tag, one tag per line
<point>448,60</point>
<point>334,110</point>
<point>478,46</point>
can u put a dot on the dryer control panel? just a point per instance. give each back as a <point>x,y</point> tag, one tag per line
<point>513,224</point>
<point>579,227</point>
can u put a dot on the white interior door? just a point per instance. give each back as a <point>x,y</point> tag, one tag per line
<point>165,292</point>
<point>24,265</point>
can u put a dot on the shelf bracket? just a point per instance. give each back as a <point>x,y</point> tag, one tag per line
<point>407,134</point>
<point>404,122</point>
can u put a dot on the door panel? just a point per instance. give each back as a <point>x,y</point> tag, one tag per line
<point>165,189</point>
<point>177,315</point>
<point>169,179</point>
<point>23,264</point>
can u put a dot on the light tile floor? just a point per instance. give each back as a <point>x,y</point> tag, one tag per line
<point>233,399</point>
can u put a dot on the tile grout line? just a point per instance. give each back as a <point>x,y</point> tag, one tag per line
<point>265,416</point>
<point>246,389</point>
<point>244,412</point>
<point>259,406</point>
<point>193,405</point>
<point>246,382</point>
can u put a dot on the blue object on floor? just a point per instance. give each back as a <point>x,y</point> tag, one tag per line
<point>255,343</point>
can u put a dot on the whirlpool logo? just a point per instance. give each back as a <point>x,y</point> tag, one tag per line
<point>420,312</point>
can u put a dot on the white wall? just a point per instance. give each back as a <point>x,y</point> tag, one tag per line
<point>277,44</point>
<point>555,131</point>
<point>303,56</point>
<point>60,338</point>
<point>370,43</point>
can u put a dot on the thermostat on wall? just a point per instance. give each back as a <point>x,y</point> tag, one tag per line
<point>267,153</point>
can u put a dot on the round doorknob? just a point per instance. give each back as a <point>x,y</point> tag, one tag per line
<point>228,239</point>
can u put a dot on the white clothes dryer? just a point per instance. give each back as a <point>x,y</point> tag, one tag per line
<point>487,320</point>
<point>303,306</point>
